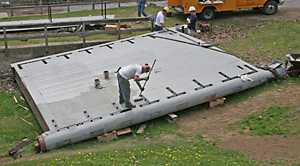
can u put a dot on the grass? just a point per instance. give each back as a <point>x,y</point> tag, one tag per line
<point>275,120</point>
<point>181,152</point>
<point>275,84</point>
<point>148,149</point>
<point>12,127</point>
<point>271,40</point>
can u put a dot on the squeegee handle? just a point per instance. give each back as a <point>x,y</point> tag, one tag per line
<point>152,67</point>
<point>139,85</point>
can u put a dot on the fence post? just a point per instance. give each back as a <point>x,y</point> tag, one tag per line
<point>5,41</point>
<point>119,3</point>
<point>104,10</point>
<point>93,6</point>
<point>41,8</point>
<point>83,35</point>
<point>11,12</point>
<point>68,6</point>
<point>152,24</point>
<point>101,7</point>
<point>46,39</point>
<point>119,29</point>
<point>49,13</point>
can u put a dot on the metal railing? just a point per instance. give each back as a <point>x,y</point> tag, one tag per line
<point>45,2</point>
<point>50,7</point>
<point>83,33</point>
<point>11,9</point>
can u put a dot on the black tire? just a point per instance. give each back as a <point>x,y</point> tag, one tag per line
<point>208,13</point>
<point>271,7</point>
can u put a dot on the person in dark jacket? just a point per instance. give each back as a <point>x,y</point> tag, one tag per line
<point>192,19</point>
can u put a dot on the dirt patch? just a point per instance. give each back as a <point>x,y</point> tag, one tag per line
<point>265,148</point>
<point>214,123</point>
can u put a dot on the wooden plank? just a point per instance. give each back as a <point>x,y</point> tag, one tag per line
<point>69,23</point>
<point>124,131</point>
<point>107,136</point>
<point>65,34</point>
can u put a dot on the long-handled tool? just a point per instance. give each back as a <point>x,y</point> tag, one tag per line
<point>143,88</point>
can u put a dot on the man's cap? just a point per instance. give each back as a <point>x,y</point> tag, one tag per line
<point>192,9</point>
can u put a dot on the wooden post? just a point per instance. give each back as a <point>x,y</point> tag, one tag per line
<point>119,29</point>
<point>5,41</point>
<point>41,8</point>
<point>83,35</point>
<point>101,7</point>
<point>46,39</point>
<point>152,24</point>
<point>11,12</point>
<point>93,6</point>
<point>68,7</point>
<point>49,13</point>
<point>105,10</point>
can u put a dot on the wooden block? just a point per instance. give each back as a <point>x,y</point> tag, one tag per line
<point>125,26</point>
<point>171,118</point>
<point>108,136</point>
<point>217,102</point>
<point>124,131</point>
<point>141,129</point>
<point>111,27</point>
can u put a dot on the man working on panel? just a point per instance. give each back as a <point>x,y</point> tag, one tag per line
<point>124,75</point>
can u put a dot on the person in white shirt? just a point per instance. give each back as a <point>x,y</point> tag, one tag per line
<point>124,75</point>
<point>160,19</point>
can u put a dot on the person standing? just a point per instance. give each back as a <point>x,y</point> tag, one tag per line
<point>160,19</point>
<point>141,8</point>
<point>124,75</point>
<point>192,19</point>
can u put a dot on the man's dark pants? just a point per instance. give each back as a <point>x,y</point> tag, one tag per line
<point>124,90</point>
<point>157,28</point>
